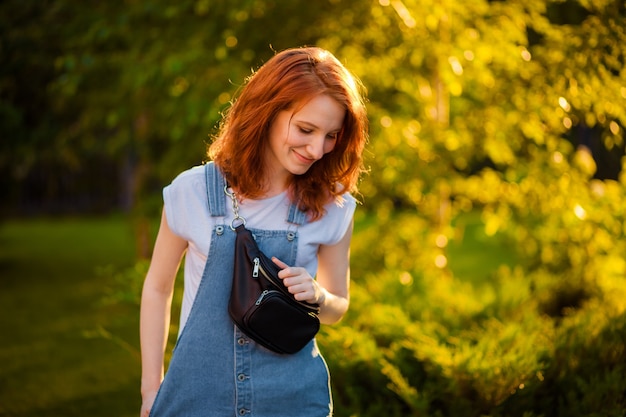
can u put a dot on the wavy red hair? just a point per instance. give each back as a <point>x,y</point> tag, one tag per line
<point>287,82</point>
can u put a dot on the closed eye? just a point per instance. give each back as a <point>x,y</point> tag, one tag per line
<point>307,131</point>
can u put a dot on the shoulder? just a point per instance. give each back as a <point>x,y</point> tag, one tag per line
<point>185,199</point>
<point>343,205</point>
<point>189,182</point>
<point>188,185</point>
<point>192,175</point>
<point>332,226</point>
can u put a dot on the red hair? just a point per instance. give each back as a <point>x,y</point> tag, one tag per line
<point>288,81</point>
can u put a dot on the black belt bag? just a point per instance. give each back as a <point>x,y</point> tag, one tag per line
<point>260,303</point>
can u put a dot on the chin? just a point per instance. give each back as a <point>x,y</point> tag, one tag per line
<point>300,170</point>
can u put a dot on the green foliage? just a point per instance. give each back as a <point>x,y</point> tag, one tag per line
<point>510,343</point>
<point>137,84</point>
<point>486,107</point>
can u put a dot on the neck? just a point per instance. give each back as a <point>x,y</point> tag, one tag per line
<point>273,190</point>
<point>276,183</point>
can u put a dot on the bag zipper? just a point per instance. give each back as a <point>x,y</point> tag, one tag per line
<point>263,294</point>
<point>255,271</point>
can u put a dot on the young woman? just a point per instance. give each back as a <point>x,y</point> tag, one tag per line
<point>290,150</point>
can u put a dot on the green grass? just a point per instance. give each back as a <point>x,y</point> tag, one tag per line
<point>58,355</point>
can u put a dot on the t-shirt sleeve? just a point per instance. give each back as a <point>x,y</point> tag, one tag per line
<point>342,215</point>
<point>185,200</point>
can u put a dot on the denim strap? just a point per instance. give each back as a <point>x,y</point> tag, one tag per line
<point>215,184</point>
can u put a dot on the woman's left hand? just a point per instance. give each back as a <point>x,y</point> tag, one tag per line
<point>300,283</point>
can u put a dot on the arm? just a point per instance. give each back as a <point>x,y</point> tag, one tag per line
<point>331,290</point>
<point>156,300</point>
<point>333,279</point>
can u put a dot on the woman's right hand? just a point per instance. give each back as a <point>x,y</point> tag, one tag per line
<point>146,404</point>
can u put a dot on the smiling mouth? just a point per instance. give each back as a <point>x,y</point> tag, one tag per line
<point>303,158</point>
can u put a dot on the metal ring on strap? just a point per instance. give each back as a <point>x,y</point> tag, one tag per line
<point>232,224</point>
<point>238,219</point>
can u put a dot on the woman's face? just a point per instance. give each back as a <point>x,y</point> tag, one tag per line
<point>299,138</point>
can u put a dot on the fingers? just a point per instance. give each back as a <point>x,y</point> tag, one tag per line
<point>145,411</point>
<point>289,272</point>
<point>147,404</point>
<point>279,263</point>
<point>298,281</point>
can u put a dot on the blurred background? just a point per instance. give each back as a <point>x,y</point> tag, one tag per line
<point>488,264</point>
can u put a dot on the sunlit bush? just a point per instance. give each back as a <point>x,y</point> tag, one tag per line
<point>486,113</point>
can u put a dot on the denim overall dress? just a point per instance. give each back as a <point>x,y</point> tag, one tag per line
<point>217,371</point>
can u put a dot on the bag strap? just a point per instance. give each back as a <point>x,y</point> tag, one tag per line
<point>216,187</point>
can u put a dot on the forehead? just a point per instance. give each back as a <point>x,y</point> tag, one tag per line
<point>321,111</point>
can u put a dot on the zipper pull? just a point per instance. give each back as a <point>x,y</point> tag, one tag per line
<point>255,271</point>
<point>263,294</point>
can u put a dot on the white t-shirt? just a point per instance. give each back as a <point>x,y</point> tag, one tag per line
<point>188,216</point>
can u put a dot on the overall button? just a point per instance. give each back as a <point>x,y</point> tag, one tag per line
<point>241,341</point>
<point>219,230</point>
<point>242,411</point>
<point>241,377</point>
<point>291,236</point>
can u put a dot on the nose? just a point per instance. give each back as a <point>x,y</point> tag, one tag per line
<point>315,148</point>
